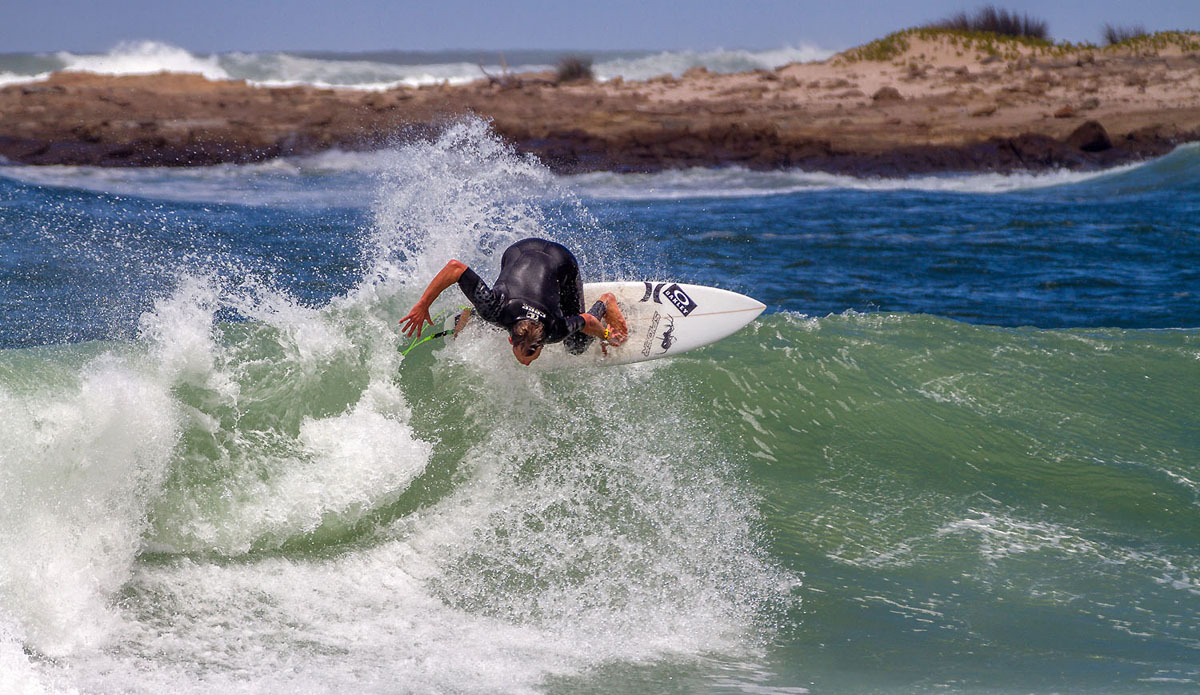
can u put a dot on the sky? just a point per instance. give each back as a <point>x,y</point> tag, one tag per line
<point>205,26</point>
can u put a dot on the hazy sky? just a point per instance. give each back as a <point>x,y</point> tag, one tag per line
<point>350,25</point>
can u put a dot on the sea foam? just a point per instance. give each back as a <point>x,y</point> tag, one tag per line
<point>378,71</point>
<point>144,57</point>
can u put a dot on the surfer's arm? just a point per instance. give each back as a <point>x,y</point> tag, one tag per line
<point>592,326</point>
<point>418,316</point>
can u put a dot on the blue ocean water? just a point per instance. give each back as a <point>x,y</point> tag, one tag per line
<point>959,453</point>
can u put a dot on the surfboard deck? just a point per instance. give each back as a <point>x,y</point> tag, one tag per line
<point>665,318</point>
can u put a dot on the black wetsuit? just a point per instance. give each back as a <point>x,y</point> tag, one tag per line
<point>539,280</point>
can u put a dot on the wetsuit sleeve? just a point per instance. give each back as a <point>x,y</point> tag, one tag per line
<point>574,324</point>
<point>486,301</point>
<point>599,309</point>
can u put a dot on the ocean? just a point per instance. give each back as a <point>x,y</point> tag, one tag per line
<point>959,453</point>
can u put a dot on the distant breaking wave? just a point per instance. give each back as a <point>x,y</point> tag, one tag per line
<point>738,182</point>
<point>384,70</point>
<point>721,61</point>
<point>286,181</point>
<point>144,57</point>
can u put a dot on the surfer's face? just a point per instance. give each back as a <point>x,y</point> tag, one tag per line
<point>523,356</point>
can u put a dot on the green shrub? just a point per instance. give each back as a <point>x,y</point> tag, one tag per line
<point>574,68</point>
<point>991,20</point>
<point>1115,35</point>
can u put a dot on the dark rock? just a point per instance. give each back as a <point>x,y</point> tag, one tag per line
<point>884,94</point>
<point>1089,137</point>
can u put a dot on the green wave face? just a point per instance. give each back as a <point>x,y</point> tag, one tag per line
<point>1015,508</point>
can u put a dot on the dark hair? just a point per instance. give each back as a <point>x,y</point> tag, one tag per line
<point>527,335</point>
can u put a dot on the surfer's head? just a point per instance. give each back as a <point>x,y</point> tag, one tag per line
<point>526,337</point>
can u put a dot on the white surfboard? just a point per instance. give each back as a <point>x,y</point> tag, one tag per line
<point>664,318</point>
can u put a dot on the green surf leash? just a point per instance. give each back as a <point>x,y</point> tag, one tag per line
<point>439,334</point>
<point>426,339</point>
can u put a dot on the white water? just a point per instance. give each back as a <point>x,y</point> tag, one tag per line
<point>276,68</point>
<point>347,179</point>
<point>329,179</point>
<point>738,182</point>
<point>144,57</point>
<point>216,445</point>
<point>720,61</point>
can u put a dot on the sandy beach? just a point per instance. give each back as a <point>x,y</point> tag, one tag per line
<point>915,102</point>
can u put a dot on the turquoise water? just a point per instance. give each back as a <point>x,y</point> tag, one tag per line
<point>957,454</point>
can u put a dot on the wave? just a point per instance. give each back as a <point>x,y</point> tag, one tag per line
<point>143,57</point>
<point>331,179</point>
<point>719,61</point>
<point>1008,463</point>
<point>284,69</point>
<point>7,77</point>
<point>739,182</point>
<point>377,71</point>
<point>339,178</point>
<point>256,495</point>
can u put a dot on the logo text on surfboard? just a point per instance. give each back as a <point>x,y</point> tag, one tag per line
<point>673,293</point>
<point>650,334</point>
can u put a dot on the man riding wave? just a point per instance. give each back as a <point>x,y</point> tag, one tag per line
<point>538,297</point>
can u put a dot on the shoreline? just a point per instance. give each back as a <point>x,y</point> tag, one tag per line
<point>936,104</point>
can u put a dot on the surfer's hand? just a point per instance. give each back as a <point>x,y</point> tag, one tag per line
<point>615,320</point>
<point>415,320</point>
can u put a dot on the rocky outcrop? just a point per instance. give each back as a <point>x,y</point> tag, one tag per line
<point>762,120</point>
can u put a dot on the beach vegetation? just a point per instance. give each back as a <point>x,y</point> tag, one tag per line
<point>574,69</point>
<point>1114,35</point>
<point>1153,44</point>
<point>983,45</point>
<point>989,20</point>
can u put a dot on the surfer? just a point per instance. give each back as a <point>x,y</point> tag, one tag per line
<point>538,297</point>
